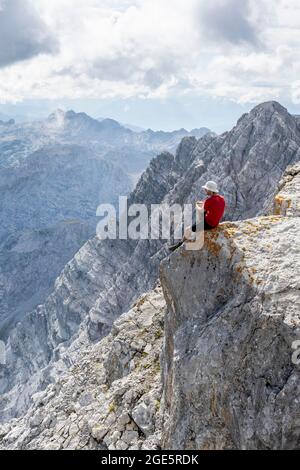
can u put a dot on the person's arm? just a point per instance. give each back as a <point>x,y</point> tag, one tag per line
<point>206,207</point>
<point>200,208</point>
<point>200,204</point>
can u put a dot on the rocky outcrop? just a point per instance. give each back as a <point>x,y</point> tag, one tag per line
<point>110,398</point>
<point>97,286</point>
<point>48,212</point>
<point>247,162</point>
<point>287,201</point>
<point>53,172</point>
<point>106,277</point>
<point>233,314</point>
<point>212,369</point>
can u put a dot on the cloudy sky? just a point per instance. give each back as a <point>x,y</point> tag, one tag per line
<point>155,63</point>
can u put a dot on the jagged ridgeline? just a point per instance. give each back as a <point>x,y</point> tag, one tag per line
<point>53,175</point>
<point>230,311</point>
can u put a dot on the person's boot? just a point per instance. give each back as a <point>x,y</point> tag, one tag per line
<point>173,248</point>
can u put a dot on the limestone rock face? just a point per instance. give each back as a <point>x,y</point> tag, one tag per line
<point>29,263</point>
<point>233,314</point>
<point>110,398</point>
<point>208,365</point>
<point>246,162</point>
<point>48,211</point>
<point>55,172</point>
<point>105,278</point>
<point>95,287</point>
<point>287,201</point>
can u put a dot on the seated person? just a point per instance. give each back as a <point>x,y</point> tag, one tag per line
<point>214,208</point>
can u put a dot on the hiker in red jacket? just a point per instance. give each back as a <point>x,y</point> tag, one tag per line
<point>214,208</point>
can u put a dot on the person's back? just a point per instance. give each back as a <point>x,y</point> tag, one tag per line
<point>214,208</point>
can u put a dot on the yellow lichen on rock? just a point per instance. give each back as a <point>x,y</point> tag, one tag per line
<point>281,204</point>
<point>286,202</point>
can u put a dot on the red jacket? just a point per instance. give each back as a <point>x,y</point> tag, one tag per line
<point>214,208</point>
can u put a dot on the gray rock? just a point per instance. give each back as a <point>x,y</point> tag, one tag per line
<point>96,287</point>
<point>104,423</point>
<point>53,175</point>
<point>143,418</point>
<point>129,437</point>
<point>233,314</point>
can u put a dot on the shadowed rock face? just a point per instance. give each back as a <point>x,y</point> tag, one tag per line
<point>109,399</point>
<point>247,162</point>
<point>233,314</point>
<point>104,278</point>
<point>29,260</point>
<point>47,208</point>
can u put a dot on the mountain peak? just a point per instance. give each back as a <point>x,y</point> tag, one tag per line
<point>110,123</point>
<point>57,112</point>
<point>70,114</point>
<point>269,106</point>
<point>266,112</point>
<point>72,121</point>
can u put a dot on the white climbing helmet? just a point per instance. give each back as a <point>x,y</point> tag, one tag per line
<point>211,186</point>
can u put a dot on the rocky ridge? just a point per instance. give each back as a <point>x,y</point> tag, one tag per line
<point>212,369</point>
<point>228,377</point>
<point>110,398</point>
<point>105,278</point>
<point>52,172</point>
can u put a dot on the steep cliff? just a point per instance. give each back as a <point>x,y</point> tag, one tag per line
<point>110,398</point>
<point>233,314</point>
<point>212,369</point>
<point>30,261</point>
<point>53,172</point>
<point>106,277</point>
<point>48,211</point>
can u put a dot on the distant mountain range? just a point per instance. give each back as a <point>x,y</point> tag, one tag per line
<point>105,277</point>
<point>53,175</point>
<point>131,127</point>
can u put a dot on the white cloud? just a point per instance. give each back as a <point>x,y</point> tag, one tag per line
<point>230,21</point>
<point>22,32</point>
<point>246,51</point>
